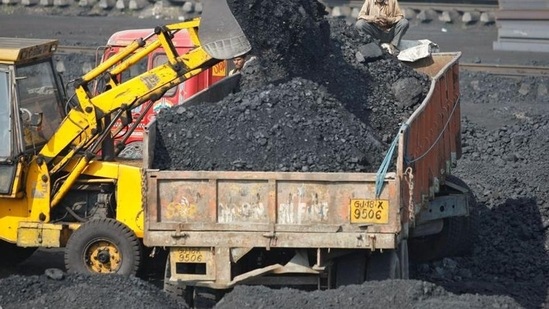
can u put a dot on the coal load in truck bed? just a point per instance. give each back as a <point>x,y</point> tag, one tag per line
<point>307,103</point>
<point>294,126</point>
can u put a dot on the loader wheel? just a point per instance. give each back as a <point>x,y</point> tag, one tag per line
<point>457,237</point>
<point>103,246</point>
<point>383,266</point>
<point>11,254</point>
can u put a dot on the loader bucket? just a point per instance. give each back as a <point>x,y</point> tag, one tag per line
<point>219,32</point>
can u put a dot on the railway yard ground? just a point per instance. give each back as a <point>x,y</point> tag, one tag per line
<point>505,134</point>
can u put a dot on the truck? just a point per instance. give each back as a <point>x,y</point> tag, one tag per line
<point>133,139</point>
<point>62,183</point>
<point>322,230</point>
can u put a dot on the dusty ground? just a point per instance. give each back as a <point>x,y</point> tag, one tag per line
<point>505,136</point>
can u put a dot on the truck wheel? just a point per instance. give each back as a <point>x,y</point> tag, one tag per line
<point>175,289</point>
<point>103,246</point>
<point>457,237</point>
<point>351,269</point>
<point>11,254</point>
<point>383,265</point>
<point>404,259</point>
<point>194,297</point>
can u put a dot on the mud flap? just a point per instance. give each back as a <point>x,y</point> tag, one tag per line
<point>220,34</point>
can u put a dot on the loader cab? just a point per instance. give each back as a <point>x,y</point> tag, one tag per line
<point>31,104</point>
<point>176,95</point>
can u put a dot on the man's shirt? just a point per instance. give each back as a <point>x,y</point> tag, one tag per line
<point>388,8</point>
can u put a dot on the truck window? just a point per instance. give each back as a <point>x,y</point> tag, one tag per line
<point>160,59</point>
<point>5,121</point>
<point>135,70</point>
<point>38,95</point>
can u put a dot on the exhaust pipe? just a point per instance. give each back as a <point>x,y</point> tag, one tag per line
<point>219,32</point>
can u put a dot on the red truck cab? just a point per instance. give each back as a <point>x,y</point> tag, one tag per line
<point>174,96</point>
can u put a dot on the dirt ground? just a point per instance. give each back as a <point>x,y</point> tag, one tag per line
<point>505,138</point>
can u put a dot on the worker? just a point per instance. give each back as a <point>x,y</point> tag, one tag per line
<point>384,21</point>
<point>238,64</point>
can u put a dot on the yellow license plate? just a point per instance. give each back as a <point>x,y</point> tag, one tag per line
<point>191,255</point>
<point>369,211</point>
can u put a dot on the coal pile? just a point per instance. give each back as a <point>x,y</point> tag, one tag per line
<point>505,140</point>
<point>61,290</point>
<point>402,294</point>
<point>307,103</point>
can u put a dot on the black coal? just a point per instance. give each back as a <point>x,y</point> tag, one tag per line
<point>306,104</point>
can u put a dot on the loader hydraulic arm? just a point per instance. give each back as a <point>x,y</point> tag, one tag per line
<point>80,136</point>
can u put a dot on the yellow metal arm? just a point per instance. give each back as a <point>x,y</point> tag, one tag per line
<point>82,131</point>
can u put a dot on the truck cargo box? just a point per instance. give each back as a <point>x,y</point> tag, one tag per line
<point>216,217</point>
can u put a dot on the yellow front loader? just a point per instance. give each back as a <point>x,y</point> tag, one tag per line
<point>61,183</point>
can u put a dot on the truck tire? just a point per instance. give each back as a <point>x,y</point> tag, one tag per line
<point>404,259</point>
<point>457,237</point>
<point>194,297</point>
<point>351,269</point>
<point>383,266</point>
<point>103,246</point>
<point>175,289</point>
<point>11,254</point>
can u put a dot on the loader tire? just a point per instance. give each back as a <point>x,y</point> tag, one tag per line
<point>11,254</point>
<point>103,246</point>
<point>457,237</point>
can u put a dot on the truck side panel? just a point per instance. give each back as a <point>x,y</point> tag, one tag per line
<point>430,142</point>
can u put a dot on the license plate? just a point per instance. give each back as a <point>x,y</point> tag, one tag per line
<point>369,211</point>
<point>191,255</point>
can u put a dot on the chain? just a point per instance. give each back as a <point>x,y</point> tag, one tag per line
<point>410,180</point>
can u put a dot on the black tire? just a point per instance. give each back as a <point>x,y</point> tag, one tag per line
<point>457,237</point>
<point>177,290</point>
<point>351,269</point>
<point>11,254</point>
<point>153,262</point>
<point>404,259</point>
<point>103,246</point>
<point>383,266</point>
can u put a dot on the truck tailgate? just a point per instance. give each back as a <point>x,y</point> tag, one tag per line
<point>270,209</point>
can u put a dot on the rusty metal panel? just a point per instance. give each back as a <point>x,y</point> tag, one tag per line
<point>293,239</point>
<point>243,201</point>
<point>431,138</point>
<point>184,200</point>
<point>316,203</point>
<point>180,203</point>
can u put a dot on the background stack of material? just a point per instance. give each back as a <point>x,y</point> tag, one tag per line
<point>523,25</point>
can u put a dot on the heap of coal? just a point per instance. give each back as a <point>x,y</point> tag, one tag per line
<point>313,100</point>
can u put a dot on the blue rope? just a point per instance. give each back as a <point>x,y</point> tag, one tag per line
<point>382,171</point>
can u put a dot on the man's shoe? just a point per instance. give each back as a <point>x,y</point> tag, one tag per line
<point>395,50</point>
<point>386,47</point>
<point>390,48</point>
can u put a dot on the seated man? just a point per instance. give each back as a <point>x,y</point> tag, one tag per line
<point>384,21</point>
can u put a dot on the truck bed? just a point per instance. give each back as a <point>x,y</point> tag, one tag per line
<point>299,209</point>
